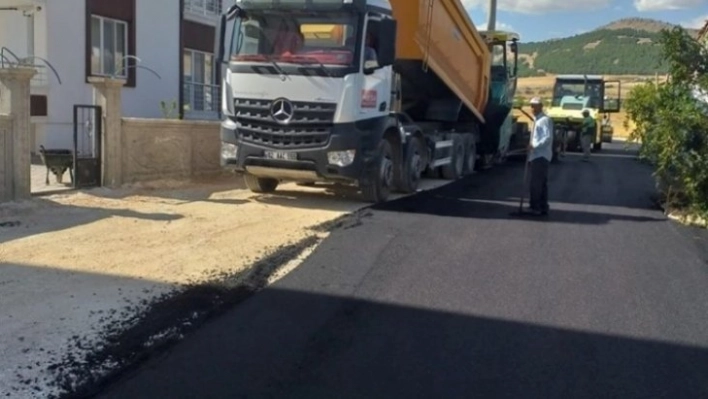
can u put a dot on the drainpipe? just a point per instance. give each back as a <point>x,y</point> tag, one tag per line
<point>30,33</point>
<point>180,61</point>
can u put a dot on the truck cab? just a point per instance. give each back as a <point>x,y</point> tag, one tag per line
<point>367,93</point>
<point>574,93</point>
<point>503,46</point>
<point>302,84</point>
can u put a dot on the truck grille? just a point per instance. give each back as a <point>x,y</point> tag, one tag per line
<point>310,127</point>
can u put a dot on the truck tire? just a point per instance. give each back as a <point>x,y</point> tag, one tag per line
<point>259,184</point>
<point>470,154</point>
<point>455,168</point>
<point>378,187</point>
<point>410,167</point>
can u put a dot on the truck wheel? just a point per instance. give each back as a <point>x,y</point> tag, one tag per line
<point>380,181</point>
<point>470,154</point>
<point>410,168</point>
<point>259,184</point>
<point>455,168</point>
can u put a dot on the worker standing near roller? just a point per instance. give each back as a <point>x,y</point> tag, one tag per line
<point>587,133</point>
<point>540,154</point>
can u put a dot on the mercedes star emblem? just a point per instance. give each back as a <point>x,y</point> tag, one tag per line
<point>282,110</point>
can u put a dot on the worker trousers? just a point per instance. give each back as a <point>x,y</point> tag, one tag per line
<point>586,142</point>
<point>538,198</point>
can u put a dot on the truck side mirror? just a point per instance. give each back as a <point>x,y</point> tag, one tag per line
<point>219,46</point>
<point>387,42</point>
<point>225,21</point>
<point>515,49</point>
<point>219,39</point>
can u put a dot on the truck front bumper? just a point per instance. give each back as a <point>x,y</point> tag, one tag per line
<point>349,151</point>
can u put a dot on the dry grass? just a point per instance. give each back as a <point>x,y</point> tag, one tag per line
<point>542,86</point>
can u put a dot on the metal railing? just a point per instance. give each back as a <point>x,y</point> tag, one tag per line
<point>201,97</point>
<point>40,78</point>
<point>205,8</point>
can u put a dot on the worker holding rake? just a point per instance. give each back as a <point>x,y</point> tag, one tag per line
<point>540,153</point>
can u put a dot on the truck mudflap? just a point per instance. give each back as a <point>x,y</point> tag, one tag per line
<point>348,154</point>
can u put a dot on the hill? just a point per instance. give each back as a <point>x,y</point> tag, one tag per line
<point>623,47</point>
<point>641,24</point>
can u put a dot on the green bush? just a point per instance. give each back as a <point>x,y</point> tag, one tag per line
<point>672,125</point>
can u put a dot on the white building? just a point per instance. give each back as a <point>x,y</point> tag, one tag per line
<point>82,38</point>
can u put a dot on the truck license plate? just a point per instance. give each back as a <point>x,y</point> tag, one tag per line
<point>281,155</point>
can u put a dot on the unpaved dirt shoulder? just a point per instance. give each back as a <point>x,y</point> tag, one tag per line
<point>93,281</point>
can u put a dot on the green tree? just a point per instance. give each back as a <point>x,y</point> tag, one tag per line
<point>672,124</point>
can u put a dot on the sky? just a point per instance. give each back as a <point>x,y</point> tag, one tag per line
<point>537,20</point>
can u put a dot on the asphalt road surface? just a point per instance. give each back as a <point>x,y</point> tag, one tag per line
<point>444,295</point>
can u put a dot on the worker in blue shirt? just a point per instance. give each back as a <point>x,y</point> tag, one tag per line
<point>540,153</point>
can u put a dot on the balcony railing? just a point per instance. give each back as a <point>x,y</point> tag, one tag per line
<point>40,79</point>
<point>201,98</point>
<point>203,8</point>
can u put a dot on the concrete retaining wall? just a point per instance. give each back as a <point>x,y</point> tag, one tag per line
<point>155,149</point>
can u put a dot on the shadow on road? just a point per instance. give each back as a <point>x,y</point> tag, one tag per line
<point>295,344</point>
<point>48,319</point>
<point>43,216</point>
<point>439,204</point>
<point>613,179</point>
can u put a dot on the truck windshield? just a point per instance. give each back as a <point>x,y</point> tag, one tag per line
<point>498,55</point>
<point>499,64</point>
<point>578,88</point>
<point>286,37</point>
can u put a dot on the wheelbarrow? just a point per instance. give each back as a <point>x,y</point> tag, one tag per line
<point>57,161</point>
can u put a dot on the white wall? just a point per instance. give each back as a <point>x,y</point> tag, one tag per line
<point>157,38</point>
<point>13,35</point>
<point>13,32</point>
<point>66,51</point>
<point>157,33</point>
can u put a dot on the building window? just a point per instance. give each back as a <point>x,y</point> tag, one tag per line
<point>205,8</point>
<point>109,47</point>
<point>201,93</point>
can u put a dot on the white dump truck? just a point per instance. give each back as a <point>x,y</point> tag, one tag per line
<point>370,93</point>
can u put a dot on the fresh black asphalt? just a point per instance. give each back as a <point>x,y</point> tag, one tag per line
<point>444,295</point>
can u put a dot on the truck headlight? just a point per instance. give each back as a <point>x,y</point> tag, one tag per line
<point>229,151</point>
<point>341,158</point>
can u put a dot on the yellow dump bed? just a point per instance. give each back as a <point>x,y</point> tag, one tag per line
<point>455,50</point>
